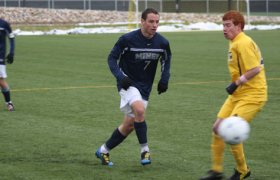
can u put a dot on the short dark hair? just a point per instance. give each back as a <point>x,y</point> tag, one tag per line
<point>148,11</point>
<point>236,17</point>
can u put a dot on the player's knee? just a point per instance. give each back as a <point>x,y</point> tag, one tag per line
<point>139,113</point>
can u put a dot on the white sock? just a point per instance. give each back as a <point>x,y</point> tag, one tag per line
<point>144,147</point>
<point>103,149</point>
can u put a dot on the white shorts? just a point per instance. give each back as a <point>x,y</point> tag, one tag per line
<point>128,97</point>
<point>3,73</point>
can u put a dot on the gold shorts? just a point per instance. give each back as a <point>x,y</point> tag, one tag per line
<point>243,108</point>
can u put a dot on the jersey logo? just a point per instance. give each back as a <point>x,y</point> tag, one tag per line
<point>262,61</point>
<point>229,56</point>
<point>147,55</point>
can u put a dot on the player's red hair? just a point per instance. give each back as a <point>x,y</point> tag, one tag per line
<point>236,17</point>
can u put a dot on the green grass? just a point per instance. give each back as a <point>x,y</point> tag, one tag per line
<point>67,106</point>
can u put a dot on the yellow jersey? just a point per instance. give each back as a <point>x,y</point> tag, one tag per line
<point>244,55</point>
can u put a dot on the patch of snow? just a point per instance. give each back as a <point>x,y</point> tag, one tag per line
<point>208,26</point>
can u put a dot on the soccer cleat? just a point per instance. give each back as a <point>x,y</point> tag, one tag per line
<point>10,106</point>
<point>213,175</point>
<point>239,176</point>
<point>105,159</point>
<point>145,158</point>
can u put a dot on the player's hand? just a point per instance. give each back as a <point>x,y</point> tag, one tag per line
<point>10,58</point>
<point>126,82</point>
<point>231,88</point>
<point>162,87</point>
<point>216,126</point>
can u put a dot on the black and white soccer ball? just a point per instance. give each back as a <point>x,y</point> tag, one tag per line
<point>234,130</point>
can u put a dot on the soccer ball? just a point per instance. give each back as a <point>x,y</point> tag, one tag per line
<point>234,130</point>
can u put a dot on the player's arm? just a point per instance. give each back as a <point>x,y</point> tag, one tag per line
<point>248,75</point>
<point>11,36</point>
<point>113,59</point>
<point>243,79</point>
<point>165,70</point>
<point>12,43</point>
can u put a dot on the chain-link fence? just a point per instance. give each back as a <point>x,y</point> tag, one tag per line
<point>197,6</point>
<point>214,6</point>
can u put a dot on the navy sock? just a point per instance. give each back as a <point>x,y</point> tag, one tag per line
<point>141,131</point>
<point>7,96</point>
<point>115,139</point>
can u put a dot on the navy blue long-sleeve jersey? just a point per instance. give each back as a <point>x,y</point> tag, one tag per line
<point>5,31</point>
<point>137,57</point>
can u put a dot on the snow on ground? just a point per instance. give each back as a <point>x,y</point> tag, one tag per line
<point>177,27</point>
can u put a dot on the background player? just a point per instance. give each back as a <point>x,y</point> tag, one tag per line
<point>6,31</point>
<point>133,61</point>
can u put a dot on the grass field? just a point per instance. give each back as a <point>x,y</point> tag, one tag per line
<point>67,106</point>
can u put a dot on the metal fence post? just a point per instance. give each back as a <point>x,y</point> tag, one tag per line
<point>267,7</point>
<point>146,4</point>
<point>229,4</point>
<point>237,5</point>
<point>207,6</point>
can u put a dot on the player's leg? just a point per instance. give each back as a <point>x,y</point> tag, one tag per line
<point>140,127</point>
<point>117,137</point>
<point>242,170</point>
<point>217,156</point>
<point>247,110</point>
<point>133,105</point>
<point>5,88</point>
<point>218,145</point>
<point>128,97</point>
<point>6,93</point>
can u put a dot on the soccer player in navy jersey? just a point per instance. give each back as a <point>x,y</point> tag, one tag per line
<point>133,61</point>
<point>6,31</point>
